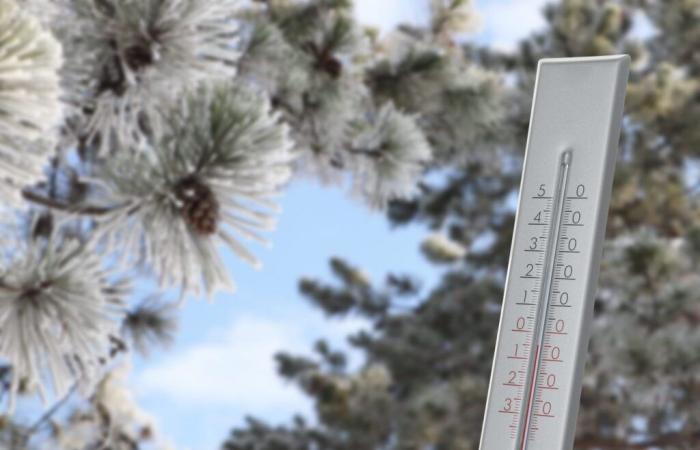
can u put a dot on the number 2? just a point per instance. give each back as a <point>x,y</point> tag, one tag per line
<point>530,268</point>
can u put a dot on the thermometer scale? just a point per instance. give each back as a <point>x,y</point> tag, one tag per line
<point>544,330</point>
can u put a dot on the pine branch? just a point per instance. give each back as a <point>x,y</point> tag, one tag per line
<point>371,153</point>
<point>52,203</point>
<point>50,412</point>
<point>685,438</point>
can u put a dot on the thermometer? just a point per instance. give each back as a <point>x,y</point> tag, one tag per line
<point>551,282</point>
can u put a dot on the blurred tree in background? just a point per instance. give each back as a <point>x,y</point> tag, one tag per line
<point>427,357</point>
<point>141,139</point>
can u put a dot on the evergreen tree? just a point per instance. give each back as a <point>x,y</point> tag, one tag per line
<point>141,138</point>
<point>428,356</point>
<point>137,136</point>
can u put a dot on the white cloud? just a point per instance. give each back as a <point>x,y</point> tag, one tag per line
<point>505,22</point>
<point>235,368</point>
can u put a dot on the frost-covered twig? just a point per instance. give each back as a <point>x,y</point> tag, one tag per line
<point>59,205</point>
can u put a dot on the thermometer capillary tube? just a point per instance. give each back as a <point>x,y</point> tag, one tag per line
<point>545,291</point>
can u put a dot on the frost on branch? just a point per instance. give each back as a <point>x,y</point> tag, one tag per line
<point>646,326</point>
<point>461,108</point>
<point>316,54</point>
<point>312,59</point>
<point>29,97</point>
<point>58,308</point>
<point>111,419</point>
<point>452,16</point>
<point>440,249</point>
<point>152,322</point>
<point>128,59</point>
<point>395,154</point>
<point>223,155</point>
<point>44,10</point>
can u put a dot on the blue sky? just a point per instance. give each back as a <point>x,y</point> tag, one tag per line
<point>220,369</point>
<point>221,366</point>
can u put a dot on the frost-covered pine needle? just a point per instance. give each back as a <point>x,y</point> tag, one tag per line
<point>390,154</point>
<point>222,157</point>
<point>310,59</point>
<point>29,97</point>
<point>58,307</point>
<point>44,10</point>
<point>130,59</point>
<point>112,419</point>
<point>153,322</point>
<point>462,107</point>
<point>452,16</point>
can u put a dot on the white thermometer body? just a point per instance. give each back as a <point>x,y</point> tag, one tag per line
<point>550,289</point>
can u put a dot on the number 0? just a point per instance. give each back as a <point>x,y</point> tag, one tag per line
<point>568,271</point>
<point>551,380</point>
<point>546,408</point>
<point>556,353</point>
<point>559,326</point>
<point>576,217</point>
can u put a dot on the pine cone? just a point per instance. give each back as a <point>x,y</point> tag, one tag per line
<point>139,56</point>
<point>112,78</point>
<point>43,227</point>
<point>199,206</point>
<point>331,65</point>
<point>326,61</point>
